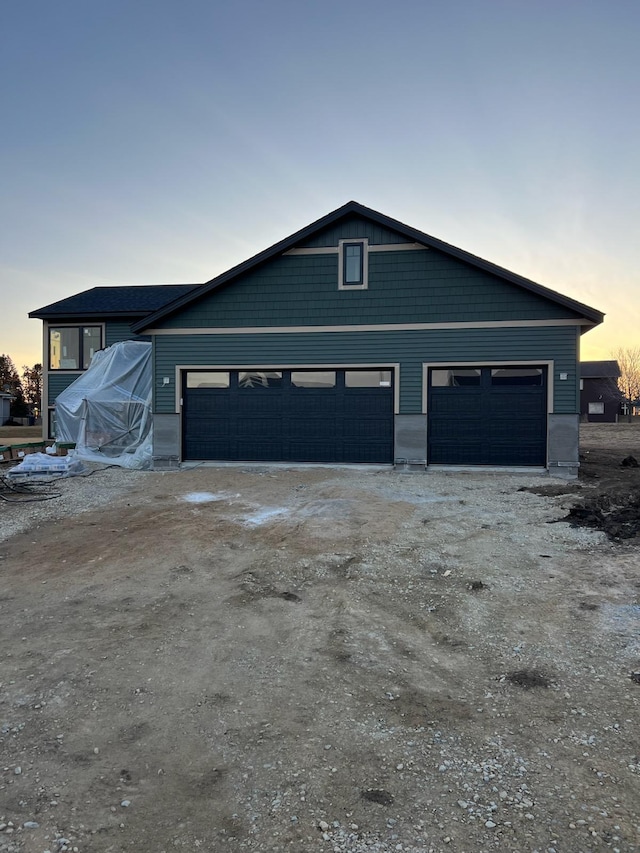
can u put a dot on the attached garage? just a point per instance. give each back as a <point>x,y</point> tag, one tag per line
<point>487,415</point>
<point>356,339</point>
<point>328,415</point>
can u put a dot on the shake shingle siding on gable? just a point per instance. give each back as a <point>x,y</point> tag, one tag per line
<point>354,227</point>
<point>404,287</point>
<point>428,352</point>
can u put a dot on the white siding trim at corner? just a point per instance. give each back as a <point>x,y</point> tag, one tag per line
<point>549,364</point>
<point>386,365</point>
<point>378,247</point>
<point>46,370</point>
<point>381,327</point>
<point>44,400</point>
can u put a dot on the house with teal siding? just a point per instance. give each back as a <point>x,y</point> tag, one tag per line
<point>358,339</point>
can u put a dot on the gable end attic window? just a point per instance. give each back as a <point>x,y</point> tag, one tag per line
<point>353,264</point>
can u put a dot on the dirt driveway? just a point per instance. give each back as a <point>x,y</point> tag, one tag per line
<point>230,659</point>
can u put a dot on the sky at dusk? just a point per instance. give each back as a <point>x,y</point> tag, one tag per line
<point>153,142</point>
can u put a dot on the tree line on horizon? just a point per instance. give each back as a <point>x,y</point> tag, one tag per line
<point>25,388</point>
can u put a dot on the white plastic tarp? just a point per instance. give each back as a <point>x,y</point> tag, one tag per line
<point>107,410</point>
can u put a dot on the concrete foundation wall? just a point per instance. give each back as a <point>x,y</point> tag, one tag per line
<point>166,441</point>
<point>564,438</point>
<point>410,441</point>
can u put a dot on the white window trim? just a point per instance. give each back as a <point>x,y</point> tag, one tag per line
<point>48,326</point>
<point>365,264</point>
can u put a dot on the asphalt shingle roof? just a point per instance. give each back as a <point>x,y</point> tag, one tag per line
<point>110,301</point>
<point>599,370</point>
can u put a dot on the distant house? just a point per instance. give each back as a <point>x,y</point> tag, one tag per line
<point>356,339</point>
<point>600,397</point>
<point>5,407</point>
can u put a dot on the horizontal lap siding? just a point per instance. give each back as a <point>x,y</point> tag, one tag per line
<point>409,348</point>
<point>118,331</point>
<point>57,384</point>
<point>404,287</point>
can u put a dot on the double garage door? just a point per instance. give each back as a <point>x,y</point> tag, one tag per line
<point>288,415</point>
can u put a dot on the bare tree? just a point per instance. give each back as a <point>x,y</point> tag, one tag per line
<point>628,359</point>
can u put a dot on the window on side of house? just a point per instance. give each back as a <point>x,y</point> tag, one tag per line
<point>73,347</point>
<point>353,264</point>
<point>596,408</point>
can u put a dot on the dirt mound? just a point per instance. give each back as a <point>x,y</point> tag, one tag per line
<point>618,515</point>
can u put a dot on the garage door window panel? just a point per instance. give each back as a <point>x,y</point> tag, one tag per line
<point>208,379</point>
<point>255,379</point>
<point>456,377</point>
<point>314,379</point>
<point>514,376</point>
<point>367,378</point>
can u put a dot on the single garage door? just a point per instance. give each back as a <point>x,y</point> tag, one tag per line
<point>288,415</point>
<point>487,416</point>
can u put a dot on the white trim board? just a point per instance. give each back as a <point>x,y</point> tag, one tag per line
<point>378,247</point>
<point>381,327</point>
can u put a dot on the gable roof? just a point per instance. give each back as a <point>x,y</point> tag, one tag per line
<point>599,370</point>
<point>105,302</point>
<point>591,315</point>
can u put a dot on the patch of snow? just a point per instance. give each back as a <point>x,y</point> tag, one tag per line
<point>264,515</point>
<point>203,497</point>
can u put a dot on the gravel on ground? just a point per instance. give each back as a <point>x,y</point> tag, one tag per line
<point>264,658</point>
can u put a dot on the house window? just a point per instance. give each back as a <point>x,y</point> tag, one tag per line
<point>73,347</point>
<point>596,408</point>
<point>353,264</point>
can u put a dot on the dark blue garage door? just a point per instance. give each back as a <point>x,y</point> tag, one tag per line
<point>288,415</point>
<point>487,416</point>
